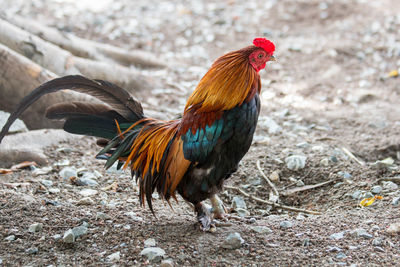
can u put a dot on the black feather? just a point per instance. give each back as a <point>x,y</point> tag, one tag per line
<point>117,98</point>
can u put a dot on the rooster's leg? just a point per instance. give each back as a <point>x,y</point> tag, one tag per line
<point>203,216</point>
<point>218,208</point>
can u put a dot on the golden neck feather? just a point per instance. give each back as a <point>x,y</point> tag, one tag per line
<point>226,85</point>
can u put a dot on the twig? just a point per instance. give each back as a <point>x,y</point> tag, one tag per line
<point>271,184</point>
<point>304,188</point>
<point>275,205</point>
<point>351,155</point>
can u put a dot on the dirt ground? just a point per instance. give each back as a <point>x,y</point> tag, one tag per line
<point>329,92</point>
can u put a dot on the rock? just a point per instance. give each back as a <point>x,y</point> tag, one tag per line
<point>395,201</point>
<point>379,249</point>
<point>56,237</point>
<point>262,229</point>
<point>85,201</point>
<point>325,162</point>
<point>356,194</point>
<point>87,192</point>
<point>341,255</point>
<point>274,176</point>
<point>337,236</point>
<point>233,241</point>
<point>115,257</point>
<point>82,181</point>
<point>151,242</point>
<point>69,237</point>
<point>36,227</point>
<point>17,127</point>
<point>286,224</point>
<point>62,163</point>
<point>79,231</point>
<point>14,147</point>
<point>333,249</point>
<point>271,125</point>
<point>345,175</point>
<point>46,183</point>
<point>41,171</point>
<point>101,216</point>
<point>133,216</point>
<point>54,190</point>
<point>32,250</point>
<point>167,263</point>
<point>376,189</point>
<point>10,238</point>
<point>299,183</point>
<point>390,186</point>
<point>238,203</point>
<point>394,228</point>
<point>303,145</point>
<point>153,254</point>
<point>377,241</point>
<point>295,162</point>
<point>68,172</point>
<point>360,232</point>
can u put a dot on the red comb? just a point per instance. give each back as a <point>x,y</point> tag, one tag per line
<point>265,44</point>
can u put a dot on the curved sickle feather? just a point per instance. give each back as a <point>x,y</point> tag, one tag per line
<point>109,93</point>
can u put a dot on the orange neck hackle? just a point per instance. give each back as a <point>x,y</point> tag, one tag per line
<point>227,84</point>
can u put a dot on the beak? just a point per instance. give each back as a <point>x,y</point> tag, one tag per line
<point>272,58</point>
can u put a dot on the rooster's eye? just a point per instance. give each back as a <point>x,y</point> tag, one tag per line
<point>260,55</point>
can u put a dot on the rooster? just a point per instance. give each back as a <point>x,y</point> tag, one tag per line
<point>192,155</point>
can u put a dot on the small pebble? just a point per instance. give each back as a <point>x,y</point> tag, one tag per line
<point>390,186</point>
<point>115,257</point>
<point>85,201</point>
<point>69,237</point>
<point>167,263</point>
<point>395,201</point>
<point>79,231</point>
<point>379,249</point>
<point>57,237</point>
<point>32,250</point>
<point>233,241</point>
<point>377,241</point>
<point>101,216</point>
<point>41,171</point>
<point>337,236</point>
<point>394,228</point>
<point>153,254</point>
<point>133,216</point>
<point>54,190</point>
<point>376,189</point>
<point>333,249</point>
<point>325,162</point>
<point>36,227</point>
<point>151,242</point>
<point>286,224</point>
<point>68,172</point>
<point>10,238</point>
<point>274,176</point>
<point>295,162</point>
<point>341,255</point>
<point>82,181</point>
<point>238,203</point>
<point>87,192</point>
<point>46,183</point>
<point>356,194</point>
<point>262,229</point>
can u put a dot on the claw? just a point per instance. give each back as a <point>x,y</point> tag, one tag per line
<point>218,208</point>
<point>203,217</point>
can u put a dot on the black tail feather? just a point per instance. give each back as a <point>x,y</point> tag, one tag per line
<point>112,95</point>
